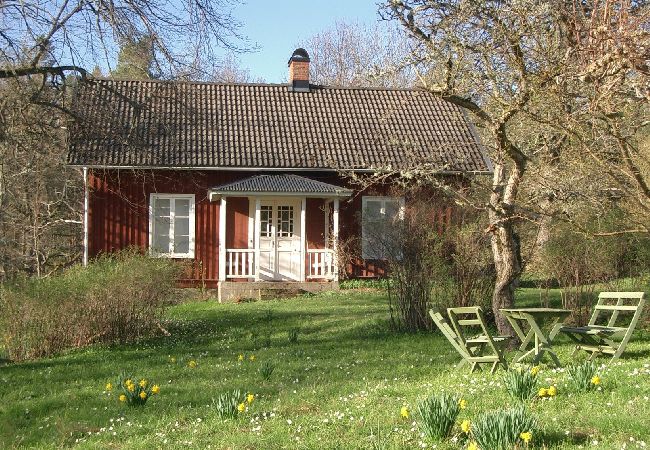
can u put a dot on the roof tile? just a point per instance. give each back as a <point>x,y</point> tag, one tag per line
<point>186,124</point>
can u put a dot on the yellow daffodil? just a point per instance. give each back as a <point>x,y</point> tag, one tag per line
<point>122,398</point>
<point>534,370</point>
<point>241,407</point>
<point>595,380</point>
<point>552,391</point>
<point>172,360</point>
<point>155,389</point>
<point>109,386</point>
<point>462,403</point>
<point>250,398</point>
<point>472,446</point>
<point>143,395</point>
<point>131,387</point>
<point>240,358</point>
<point>543,392</point>
<point>465,426</point>
<point>404,412</point>
<point>526,436</point>
<point>192,364</point>
<point>252,357</point>
<point>143,383</point>
<point>127,382</point>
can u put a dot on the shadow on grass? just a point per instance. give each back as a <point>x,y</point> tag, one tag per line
<point>556,438</point>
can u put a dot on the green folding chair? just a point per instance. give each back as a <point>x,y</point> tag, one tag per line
<point>475,349</point>
<point>608,331</point>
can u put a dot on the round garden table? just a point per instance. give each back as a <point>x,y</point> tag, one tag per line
<point>542,325</point>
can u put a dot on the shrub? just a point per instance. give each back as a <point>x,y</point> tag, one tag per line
<point>230,404</point>
<point>583,376</point>
<point>438,414</point>
<point>501,430</point>
<point>292,335</point>
<point>432,262</point>
<point>135,393</point>
<point>266,370</point>
<point>116,299</point>
<point>227,403</point>
<point>521,384</point>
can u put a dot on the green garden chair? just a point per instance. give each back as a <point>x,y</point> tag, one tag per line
<point>475,349</point>
<point>611,325</point>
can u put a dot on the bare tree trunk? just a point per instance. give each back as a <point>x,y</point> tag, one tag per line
<point>508,268</point>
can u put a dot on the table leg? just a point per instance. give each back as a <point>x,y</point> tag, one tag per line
<point>542,343</point>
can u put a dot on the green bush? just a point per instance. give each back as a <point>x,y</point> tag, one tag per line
<point>501,430</point>
<point>116,299</point>
<point>228,404</point>
<point>266,370</point>
<point>438,414</point>
<point>521,384</point>
<point>134,392</point>
<point>583,376</point>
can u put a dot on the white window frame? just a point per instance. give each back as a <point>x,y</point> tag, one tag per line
<point>170,254</point>
<point>383,199</point>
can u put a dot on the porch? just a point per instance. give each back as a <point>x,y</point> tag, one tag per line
<point>279,229</point>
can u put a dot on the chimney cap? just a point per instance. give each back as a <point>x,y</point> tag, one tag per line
<point>299,54</point>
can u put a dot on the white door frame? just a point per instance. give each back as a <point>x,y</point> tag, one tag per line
<point>254,229</point>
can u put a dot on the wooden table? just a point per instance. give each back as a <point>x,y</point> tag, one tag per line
<point>539,321</point>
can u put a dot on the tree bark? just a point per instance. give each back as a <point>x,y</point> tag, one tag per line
<point>507,263</point>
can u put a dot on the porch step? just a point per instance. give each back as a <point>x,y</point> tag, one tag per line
<point>233,291</point>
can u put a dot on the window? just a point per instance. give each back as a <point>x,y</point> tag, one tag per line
<point>378,214</point>
<point>285,221</point>
<point>266,220</point>
<point>171,225</point>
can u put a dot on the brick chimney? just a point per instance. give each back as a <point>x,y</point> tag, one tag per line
<point>299,71</point>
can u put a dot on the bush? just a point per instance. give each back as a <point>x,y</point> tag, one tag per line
<point>500,430</point>
<point>583,376</point>
<point>116,299</point>
<point>266,370</point>
<point>433,263</point>
<point>521,384</point>
<point>135,393</point>
<point>438,414</point>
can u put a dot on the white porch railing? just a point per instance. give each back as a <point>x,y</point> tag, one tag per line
<point>321,263</point>
<point>240,263</point>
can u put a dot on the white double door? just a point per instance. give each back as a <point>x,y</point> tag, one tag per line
<point>279,239</point>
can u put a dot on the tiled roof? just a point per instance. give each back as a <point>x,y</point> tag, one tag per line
<point>187,124</point>
<point>290,184</point>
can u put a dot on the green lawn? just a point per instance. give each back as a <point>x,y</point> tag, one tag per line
<point>341,385</point>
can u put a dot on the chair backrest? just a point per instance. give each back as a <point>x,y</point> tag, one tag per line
<point>449,333</point>
<point>468,321</point>
<point>612,304</point>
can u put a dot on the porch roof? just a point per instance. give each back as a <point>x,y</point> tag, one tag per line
<point>279,185</point>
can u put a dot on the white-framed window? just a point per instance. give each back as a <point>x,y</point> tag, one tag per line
<point>378,214</point>
<point>171,225</point>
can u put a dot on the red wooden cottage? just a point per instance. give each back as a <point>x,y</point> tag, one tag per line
<point>245,180</point>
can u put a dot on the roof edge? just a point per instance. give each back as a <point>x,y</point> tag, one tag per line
<point>270,169</point>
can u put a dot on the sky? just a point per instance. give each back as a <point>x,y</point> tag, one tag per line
<point>277,27</point>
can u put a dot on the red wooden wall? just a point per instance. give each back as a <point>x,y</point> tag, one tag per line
<point>119,216</point>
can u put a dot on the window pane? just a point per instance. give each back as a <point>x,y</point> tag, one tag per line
<point>161,207</point>
<point>181,226</point>
<point>392,209</point>
<point>265,221</point>
<point>373,210</point>
<point>181,244</point>
<point>182,207</point>
<point>285,221</point>
<point>161,235</point>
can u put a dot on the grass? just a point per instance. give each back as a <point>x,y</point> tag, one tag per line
<point>342,385</point>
